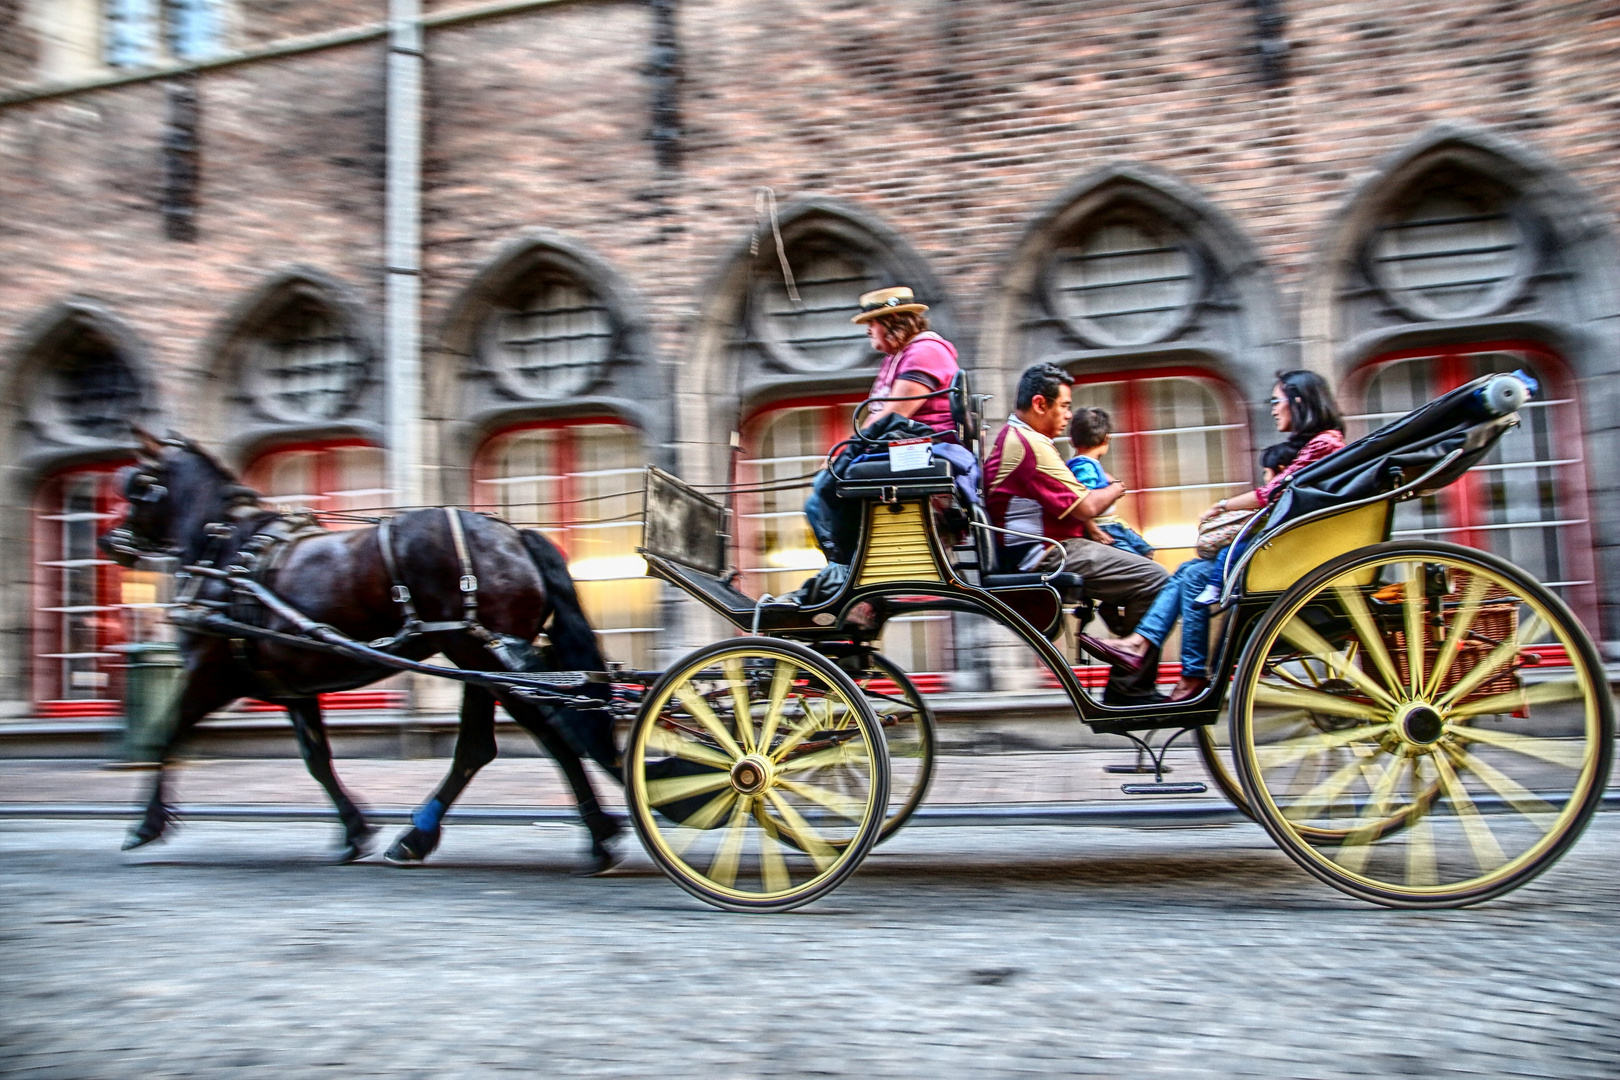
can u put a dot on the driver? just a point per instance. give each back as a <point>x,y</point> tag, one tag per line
<point>916,361</point>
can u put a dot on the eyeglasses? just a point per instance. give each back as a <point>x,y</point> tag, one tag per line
<point>1278,400</point>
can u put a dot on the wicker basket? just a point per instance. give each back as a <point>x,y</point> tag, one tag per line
<point>1498,620</point>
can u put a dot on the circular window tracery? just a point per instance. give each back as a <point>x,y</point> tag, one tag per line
<point>1127,281</point>
<point>814,333</point>
<point>551,338</point>
<point>1455,250</point>
<point>94,390</point>
<point>305,366</point>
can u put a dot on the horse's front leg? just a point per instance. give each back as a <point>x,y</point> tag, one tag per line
<point>475,748</point>
<point>205,690</point>
<point>317,750</point>
<point>602,827</point>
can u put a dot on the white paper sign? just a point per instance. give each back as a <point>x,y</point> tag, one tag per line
<point>908,455</point>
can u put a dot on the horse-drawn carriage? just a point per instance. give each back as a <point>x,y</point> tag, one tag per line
<point>1416,723</point>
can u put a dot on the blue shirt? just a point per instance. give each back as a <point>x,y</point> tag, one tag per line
<point>1088,471</point>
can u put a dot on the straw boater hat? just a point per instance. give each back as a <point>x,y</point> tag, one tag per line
<point>887,302</point>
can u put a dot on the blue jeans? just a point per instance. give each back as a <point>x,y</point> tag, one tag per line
<point>835,522</point>
<point>1128,538</point>
<point>1175,601</point>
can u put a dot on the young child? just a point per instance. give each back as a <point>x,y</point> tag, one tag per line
<point>1088,434</point>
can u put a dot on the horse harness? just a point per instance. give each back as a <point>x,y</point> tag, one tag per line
<point>268,548</point>
<point>513,653</point>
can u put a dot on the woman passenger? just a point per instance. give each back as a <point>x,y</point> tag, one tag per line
<point>1302,406</point>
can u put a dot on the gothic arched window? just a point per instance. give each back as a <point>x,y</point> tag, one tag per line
<point>551,336</point>
<point>305,366</point>
<point>813,332</point>
<point>1124,277</point>
<point>1451,247</point>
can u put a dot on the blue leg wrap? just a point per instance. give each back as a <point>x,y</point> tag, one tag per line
<point>428,815</point>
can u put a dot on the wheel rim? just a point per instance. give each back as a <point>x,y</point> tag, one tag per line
<point>1421,726</point>
<point>754,776</point>
<point>1215,751</point>
<point>908,732</point>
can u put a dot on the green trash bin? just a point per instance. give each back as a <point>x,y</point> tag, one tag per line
<point>151,697</point>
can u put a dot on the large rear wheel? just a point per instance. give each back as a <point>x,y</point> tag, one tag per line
<point>1421,725</point>
<point>756,775</point>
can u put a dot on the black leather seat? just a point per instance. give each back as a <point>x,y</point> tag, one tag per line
<point>1063,581</point>
<point>874,479</point>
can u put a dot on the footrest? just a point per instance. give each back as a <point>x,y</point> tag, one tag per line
<point>1192,788</point>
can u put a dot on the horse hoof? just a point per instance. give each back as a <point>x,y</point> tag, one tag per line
<point>140,839</point>
<point>412,848</point>
<point>356,846</point>
<point>601,859</point>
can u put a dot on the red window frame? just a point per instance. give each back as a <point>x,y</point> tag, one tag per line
<point>835,428</point>
<point>47,633</point>
<point>567,490</point>
<point>1462,503</point>
<point>1133,422</point>
<point>326,479</point>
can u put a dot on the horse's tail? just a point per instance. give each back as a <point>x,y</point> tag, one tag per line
<point>573,642</point>
<point>573,648</point>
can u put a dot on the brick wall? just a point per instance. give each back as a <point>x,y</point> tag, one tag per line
<point>956,124</point>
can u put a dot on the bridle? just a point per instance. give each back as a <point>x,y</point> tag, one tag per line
<point>143,486</point>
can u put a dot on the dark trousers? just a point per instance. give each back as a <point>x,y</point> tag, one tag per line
<point>836,522</point>
<point>1116,576</point>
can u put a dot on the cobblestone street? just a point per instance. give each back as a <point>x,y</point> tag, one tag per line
<point>235,951</point>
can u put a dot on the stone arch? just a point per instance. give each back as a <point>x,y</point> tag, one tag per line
<point>734,367</point>
<point>44,430</point>
<point>1568,302</point>
<point>1572,239</point>
<point>469,397</point>
<point>1234,325</point>
<point>235,395</point>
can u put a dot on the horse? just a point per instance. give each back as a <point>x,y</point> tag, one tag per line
<point>474,588</point>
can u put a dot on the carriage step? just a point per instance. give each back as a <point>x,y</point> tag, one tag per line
<point>1193,788</point>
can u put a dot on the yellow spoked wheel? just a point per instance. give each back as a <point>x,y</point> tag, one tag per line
<point>756,775</point>
<point>908,731</point>
<point>1421,725</point>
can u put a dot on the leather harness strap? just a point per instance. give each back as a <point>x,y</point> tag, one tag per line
<point>469,580</point>
<point>400,591</point>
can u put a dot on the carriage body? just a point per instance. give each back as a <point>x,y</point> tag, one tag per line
<point>1416,723</point>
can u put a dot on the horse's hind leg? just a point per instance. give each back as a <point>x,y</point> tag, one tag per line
<point>475,748</point>
<point>602,827</point>
<point>317,750</point>
<point>205,690</point>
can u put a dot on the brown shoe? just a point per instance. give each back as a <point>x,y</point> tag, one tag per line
<point>1189,688</point>
<point>1118,658</point>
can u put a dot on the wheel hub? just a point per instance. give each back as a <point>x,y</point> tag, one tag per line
<point>752,775</point>
<point>1420,724</point>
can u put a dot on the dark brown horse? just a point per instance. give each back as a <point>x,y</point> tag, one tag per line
<point>184,503</point>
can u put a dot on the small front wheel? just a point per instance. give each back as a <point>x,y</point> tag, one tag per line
<point>756,775</point>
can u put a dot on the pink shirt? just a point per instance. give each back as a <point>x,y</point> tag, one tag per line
<point>1323,444</point>
<point>929,360</point>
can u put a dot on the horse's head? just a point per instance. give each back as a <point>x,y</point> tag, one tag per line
<point>174,490</point>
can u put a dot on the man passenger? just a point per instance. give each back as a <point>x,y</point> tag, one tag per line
<point>1031,490</point>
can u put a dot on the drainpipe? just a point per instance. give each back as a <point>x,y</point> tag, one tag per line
<point>402,338</point>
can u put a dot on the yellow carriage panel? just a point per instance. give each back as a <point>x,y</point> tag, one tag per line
<point>898,547</point>
<point>1285,559</point>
